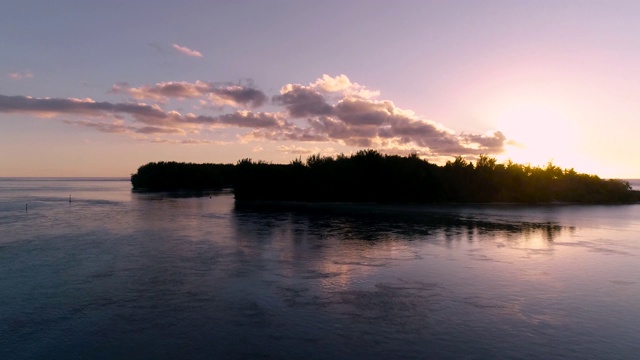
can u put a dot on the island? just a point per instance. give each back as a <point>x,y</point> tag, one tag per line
<point>371,177</point>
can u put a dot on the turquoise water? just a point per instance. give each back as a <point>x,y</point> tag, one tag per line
<point>92,270</point>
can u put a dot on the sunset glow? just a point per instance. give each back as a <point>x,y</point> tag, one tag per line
<point>539,134</point>
<point>528,81</point>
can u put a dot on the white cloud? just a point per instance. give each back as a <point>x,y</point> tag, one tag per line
<point>186,51</point>
<point>342,84</point>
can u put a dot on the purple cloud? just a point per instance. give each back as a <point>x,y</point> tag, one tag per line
<point>301,102</point>
<point>49,107</point>
<point>234,95</point>
<point>329,110</point>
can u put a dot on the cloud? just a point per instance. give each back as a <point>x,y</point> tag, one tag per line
<point>20,76</point>
<point>148,114</point>
<point>301,101</point>
<point>234,95</point>
<point>298,150</point>
<point>250,120</point>
<point>50,107</point>
<point>492,142</point>
<point>312,100</point>
<point>184,142</point>
<point>158,130</point>
<point>147,119</point>
<point>241,119</point>
<point>341,111</point>
<point>186,51</point>
<point>330,110</point>
<point>197,142</point>
<point>342,84</point>
<point>139,133</point>
<point>119,127</point>
<point>161,91</point>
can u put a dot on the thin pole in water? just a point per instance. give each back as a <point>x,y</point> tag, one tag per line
<point>26,207</point>
<point>69,198</point>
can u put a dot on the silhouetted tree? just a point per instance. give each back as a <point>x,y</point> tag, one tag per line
<point>368,176</point>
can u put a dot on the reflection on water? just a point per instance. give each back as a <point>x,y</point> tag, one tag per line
<point>116,274</point>
<point>371,222</point>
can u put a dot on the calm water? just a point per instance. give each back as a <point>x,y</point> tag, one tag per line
<point>115,274</point>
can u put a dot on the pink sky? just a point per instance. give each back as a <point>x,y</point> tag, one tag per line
<point>98,89</point>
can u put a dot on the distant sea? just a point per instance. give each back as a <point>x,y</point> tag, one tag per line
<point>90,269</point>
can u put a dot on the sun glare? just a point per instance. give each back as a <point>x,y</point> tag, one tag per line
<point>538,134</point>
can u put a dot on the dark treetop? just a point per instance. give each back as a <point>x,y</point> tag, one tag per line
<point>369,176</point>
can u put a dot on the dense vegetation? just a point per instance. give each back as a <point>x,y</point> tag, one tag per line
<point>171,176</point>
<point>369,176</point>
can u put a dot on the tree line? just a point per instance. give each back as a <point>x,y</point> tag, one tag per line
<point>369,176</point>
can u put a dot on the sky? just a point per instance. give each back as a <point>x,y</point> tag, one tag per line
<point>99,88</point>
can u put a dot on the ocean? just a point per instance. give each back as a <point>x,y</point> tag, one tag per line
<point>92,270</point>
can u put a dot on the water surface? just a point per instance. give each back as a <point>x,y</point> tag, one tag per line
<point>93,270</point>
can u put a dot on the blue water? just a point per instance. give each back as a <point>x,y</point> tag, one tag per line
<point>92,270</point>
